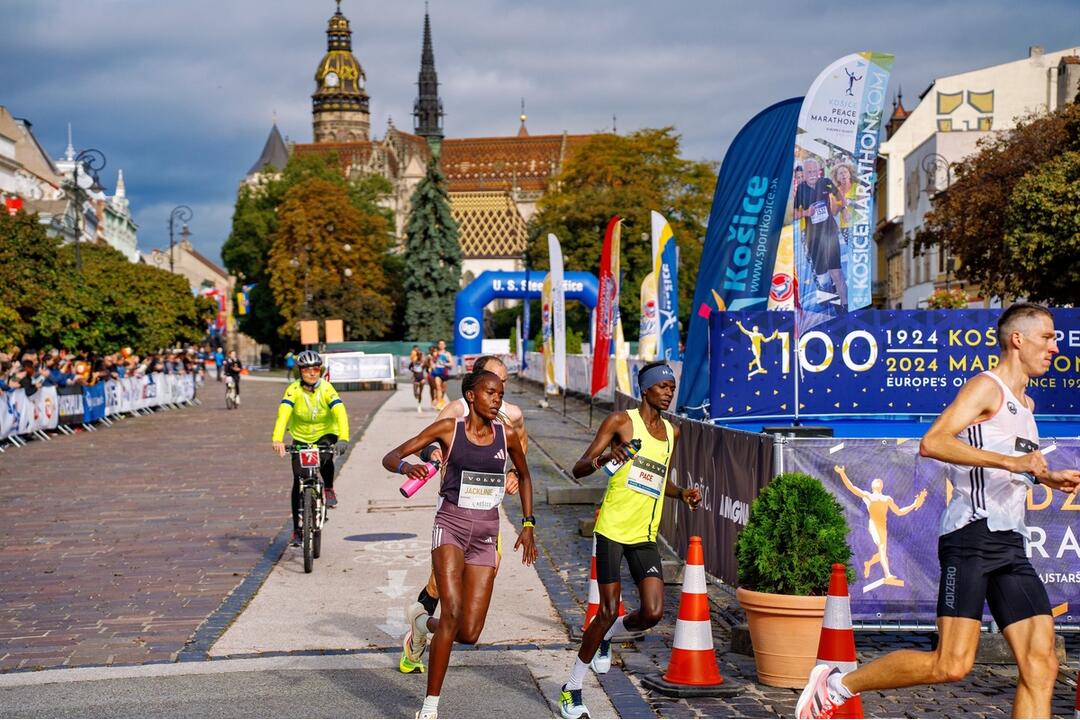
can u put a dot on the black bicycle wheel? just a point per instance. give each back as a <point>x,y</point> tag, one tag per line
<point>309,529</point>
<point>317,545</point>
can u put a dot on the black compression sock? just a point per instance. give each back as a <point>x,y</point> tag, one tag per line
<point>427,601</point>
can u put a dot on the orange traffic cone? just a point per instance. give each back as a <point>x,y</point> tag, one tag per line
<point>837,645</point>
<point>594,591</point>
<point>692,671</point>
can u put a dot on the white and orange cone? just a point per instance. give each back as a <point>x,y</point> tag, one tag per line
<point>837,645</point>
<point>692,670</point>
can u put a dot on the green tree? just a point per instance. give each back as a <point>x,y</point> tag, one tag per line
<point>993,217</point>
<point>432,259</point>
<point>1043,230</point>
<point>326,260</point>
<point>116,303</point>
<point>626,175</point>
<point>30,273</point>
<point>246,252</point>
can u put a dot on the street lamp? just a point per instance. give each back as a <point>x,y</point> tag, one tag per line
<point>92,161</point>
<point>182,214</point>
<point>932,164</point>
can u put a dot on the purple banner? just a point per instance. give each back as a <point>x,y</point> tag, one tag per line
<point>894,500</point>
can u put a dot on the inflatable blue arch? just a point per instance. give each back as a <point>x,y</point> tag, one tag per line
<point>495,284</point>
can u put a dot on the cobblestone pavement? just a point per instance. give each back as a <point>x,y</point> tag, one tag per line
<point>987,692</point>
<point>118,544</point>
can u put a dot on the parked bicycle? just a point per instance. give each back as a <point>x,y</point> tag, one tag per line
<point>312,498</point>
<point>230,393</point>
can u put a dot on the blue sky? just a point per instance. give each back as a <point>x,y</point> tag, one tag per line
<point>181,94</point>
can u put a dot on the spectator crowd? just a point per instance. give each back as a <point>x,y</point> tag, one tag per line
<point>30,369</point>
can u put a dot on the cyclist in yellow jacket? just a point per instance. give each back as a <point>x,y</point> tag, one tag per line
<point>642,445</point>
<point>313,412</point>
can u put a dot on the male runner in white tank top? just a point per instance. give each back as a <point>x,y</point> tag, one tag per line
<point>988,440</point>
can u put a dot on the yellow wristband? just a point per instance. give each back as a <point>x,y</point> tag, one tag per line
<point>527,524</point>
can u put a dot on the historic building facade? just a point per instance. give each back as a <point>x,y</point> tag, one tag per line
<point>494,183</point>
<point>922,146</point>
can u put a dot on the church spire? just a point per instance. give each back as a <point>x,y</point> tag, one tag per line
<point>427,110</point>
<point>340,104</point>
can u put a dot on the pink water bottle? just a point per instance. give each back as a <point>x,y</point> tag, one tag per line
<point>411,485</point>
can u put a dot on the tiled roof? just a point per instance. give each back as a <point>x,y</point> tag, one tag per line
<point>489,224</point>
<point>349,153</point>
<point>501,163</point>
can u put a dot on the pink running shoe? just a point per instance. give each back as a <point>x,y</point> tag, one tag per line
<point>815,701</point>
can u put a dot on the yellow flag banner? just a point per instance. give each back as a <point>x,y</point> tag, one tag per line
<point>550,388</point>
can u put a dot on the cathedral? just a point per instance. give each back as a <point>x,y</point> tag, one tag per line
<point>494,182</point>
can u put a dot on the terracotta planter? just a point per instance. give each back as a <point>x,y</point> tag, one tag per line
<point>785,630</point>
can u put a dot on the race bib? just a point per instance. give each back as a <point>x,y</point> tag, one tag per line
<point>819,212</point>
<point>647,476</point>
<point>309,458</point>
<point>481,491</point>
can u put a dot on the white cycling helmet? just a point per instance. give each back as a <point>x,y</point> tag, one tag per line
<point>309,358</point>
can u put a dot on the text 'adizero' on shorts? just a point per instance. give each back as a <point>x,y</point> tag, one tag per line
<point>981,564</point>
<point>475,532</point>
<point>642,558</point>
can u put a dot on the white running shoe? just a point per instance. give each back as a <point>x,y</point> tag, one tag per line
<point>601,661</point>
<point>424,715</point>
<point>814,702</point>
<point>571,705</point>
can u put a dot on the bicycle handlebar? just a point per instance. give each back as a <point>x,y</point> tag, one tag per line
<point>321,448</point>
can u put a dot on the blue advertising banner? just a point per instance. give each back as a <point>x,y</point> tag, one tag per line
<point>893,500</point>
<point>93,402</point>
<point>872,363</point>
<point>740,244</point>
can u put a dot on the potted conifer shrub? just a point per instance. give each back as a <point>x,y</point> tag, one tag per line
<point>795,532</point>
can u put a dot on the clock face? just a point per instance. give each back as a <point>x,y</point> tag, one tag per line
<point>330,79</point>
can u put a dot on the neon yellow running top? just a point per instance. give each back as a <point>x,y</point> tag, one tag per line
<point>634,499</point>
<point>310,415</point>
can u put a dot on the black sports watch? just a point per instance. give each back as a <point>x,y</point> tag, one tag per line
<point>528,521</point>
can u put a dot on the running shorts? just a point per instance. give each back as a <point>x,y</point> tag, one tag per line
<point>980,564</point>
<point>642,558</point>
<point>475,532</point>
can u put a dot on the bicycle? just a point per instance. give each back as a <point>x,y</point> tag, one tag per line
<point>231,397</point>
<point>312,499</point>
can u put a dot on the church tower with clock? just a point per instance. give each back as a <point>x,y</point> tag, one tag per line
<point>340,103</point>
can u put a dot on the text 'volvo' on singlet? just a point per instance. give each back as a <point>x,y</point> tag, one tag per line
<point>997,495</point>
<point>475,477</point>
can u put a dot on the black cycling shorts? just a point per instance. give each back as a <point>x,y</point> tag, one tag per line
<point>642,558</point>
<point>980,564</point>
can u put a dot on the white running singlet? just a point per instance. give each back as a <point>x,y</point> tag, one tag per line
<point>999,496</point>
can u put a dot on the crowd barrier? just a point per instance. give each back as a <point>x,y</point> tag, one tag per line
<point>52,408</point>
<point>730,467</point>
<point>889,529</point>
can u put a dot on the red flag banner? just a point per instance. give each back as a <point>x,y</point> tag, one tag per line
<point>605,310</point>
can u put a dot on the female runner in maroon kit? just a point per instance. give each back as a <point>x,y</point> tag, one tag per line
<point>465,535</point>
